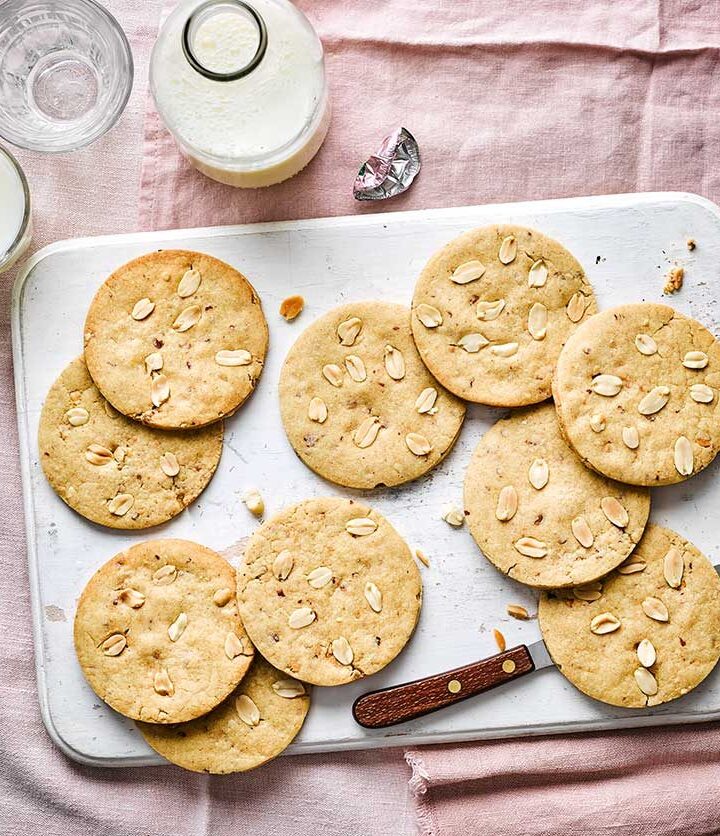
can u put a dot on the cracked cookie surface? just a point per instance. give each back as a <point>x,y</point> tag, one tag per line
<point>492,310</point>
<point>329,591</point>
<point>636,391</point>
<point>651,635</point>
<point>115,471</point>
<point>537,512</point>
<point>157,631</point>
<point>358,405</point>
<point>176,339</point>
<point>253,725</point>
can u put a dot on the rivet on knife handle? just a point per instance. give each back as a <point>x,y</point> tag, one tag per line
<point>400,703</point>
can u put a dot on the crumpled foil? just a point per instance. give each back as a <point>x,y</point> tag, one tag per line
<point>391,170</point>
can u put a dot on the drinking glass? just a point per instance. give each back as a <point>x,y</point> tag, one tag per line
<point>15,222</point>
<point>66,72</point>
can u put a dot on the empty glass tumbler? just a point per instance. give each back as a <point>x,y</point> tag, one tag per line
<point>66,72</point>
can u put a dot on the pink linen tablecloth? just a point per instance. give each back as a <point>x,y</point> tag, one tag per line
<point>509,100</point>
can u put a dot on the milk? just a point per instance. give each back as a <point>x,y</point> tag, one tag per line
<point>12,212</point>
<point>226,41</point>
<point>256,130</point>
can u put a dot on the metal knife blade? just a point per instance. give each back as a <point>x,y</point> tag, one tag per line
<point>539,654</point>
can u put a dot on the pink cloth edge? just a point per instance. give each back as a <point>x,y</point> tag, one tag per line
<point>418,784</point>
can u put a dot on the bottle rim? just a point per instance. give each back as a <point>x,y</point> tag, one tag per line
<point>252,64</point>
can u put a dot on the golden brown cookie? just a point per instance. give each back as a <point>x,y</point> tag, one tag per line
<point>115,471</point>
<point>539,514</point>
<point>253,725</point>
<point>653,631</point>
<point>329,591</point>
<point>157,631</point>
<point>492,310</point>
<point>176,339</point>
<point>636,390</point>
<point>358,405</point>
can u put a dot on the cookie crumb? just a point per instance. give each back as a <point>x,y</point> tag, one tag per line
<point>291,307</point>
<point>499,640</point>
<point>691,244</point>
<point>674,280</point>
<point>516,611</point>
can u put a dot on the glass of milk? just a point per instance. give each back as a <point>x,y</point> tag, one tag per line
<point>15,225</point>
<point>242,88</point>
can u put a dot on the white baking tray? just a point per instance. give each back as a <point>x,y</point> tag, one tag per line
<point>626,244</point>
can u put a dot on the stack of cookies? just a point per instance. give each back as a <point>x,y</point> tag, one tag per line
<point>556,495</point>
<point>167,635</point>
<point>214,665</point>
<point>131,433</point>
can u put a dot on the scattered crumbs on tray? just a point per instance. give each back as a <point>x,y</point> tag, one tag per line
<point>691,244</point>
<point>499,640</point>
<point>54,613</point>
<point>674,279</point>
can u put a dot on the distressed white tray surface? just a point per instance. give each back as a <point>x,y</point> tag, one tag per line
<point>626,244</point>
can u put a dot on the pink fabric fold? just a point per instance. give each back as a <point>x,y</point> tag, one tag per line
<point>636,782</point>
<point>509,101</point>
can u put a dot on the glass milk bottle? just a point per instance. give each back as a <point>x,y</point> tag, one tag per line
<point>241,86</point>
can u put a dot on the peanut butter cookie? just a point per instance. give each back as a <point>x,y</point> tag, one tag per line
<point>115,471</point>
<point>539,514</point>
<point>358,405</point>
<point>157,631</point>
<point>176,339</point>
<point>328,591</point>
<point>492,310</point>
<point>651,631</point>
<point>636,390</point>
<point>253,725</point>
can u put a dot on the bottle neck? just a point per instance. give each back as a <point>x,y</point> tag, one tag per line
<point>202,14</point>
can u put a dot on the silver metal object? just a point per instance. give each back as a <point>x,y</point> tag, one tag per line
<point>539,654</point>
<point>391,169</point>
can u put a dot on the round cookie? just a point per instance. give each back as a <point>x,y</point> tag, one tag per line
<point>328,591</point>
<point>492,310</point>
<point>358,405</point>
<point>603,660</point>
<point>636,390</point>
<point>157,631</point>
<point>252,726</point>
<point>176,339</point>
<point>115,471</point>
<point>537,512</point>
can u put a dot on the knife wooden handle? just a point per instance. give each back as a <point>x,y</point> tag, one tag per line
<point>400,703</point>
